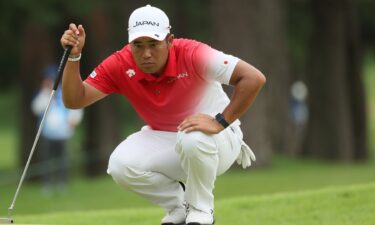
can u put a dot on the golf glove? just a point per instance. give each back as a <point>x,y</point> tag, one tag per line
<point>246,156</point>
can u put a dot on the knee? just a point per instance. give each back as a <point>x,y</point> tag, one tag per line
<point>122,172</point>
<point>195,144</point>
<point>115,168</point>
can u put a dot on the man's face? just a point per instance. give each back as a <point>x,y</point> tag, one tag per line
<point>151,55</point>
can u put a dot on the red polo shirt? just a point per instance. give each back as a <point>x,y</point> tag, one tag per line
<point>188,85</point>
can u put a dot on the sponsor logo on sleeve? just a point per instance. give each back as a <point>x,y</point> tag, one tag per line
<point>93,74</point>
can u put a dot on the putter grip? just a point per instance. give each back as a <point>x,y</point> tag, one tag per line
<point>62,66</point>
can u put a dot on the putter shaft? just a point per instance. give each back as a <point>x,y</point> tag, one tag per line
<point>11,207</point>
<point>57,81</point>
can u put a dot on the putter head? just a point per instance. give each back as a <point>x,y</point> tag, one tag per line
<point>6,221</point>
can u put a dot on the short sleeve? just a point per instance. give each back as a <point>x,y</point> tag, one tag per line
<point>216,65</point>
<point>103,77</point>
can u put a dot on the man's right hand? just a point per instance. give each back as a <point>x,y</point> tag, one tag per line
<point>75,37</point>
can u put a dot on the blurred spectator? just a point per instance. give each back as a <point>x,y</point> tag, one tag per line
<point>58,128</point>
<point>299,109</point>
<point>299,114</point>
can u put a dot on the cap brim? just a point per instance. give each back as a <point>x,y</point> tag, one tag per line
<point>154,35</point>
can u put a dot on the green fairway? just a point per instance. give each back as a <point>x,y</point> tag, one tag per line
<point>336,205</point>
<point>286,175</point>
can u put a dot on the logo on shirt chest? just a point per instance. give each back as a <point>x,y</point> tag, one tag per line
<point>130,72</point>
<point>179,76</point>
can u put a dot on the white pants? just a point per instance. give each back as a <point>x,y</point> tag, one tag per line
<point>151,163</point>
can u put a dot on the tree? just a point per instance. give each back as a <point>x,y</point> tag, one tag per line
<point>337,127</point>
<point>256,31</point>
<point>40,47</point>
<point>106,32</point>
<point>30,74</point>
<point>102,126</point>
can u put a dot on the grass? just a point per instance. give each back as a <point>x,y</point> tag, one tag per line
<point>286,175</point>
<point>336,205</point>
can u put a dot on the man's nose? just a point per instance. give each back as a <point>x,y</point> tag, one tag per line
<point>146,53</point>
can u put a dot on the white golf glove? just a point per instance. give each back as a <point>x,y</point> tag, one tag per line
<point>246,156</point>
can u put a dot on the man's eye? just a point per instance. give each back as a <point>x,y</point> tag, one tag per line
<point>138,46</point>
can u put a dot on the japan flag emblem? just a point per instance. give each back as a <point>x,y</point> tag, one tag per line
<point>130,72</point>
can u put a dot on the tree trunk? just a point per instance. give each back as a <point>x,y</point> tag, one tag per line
<point>337,127</point>
<point>181,26</point>
<point>102,133</point>
<point>256,32</point>
<point>107,32</point>
<point>33,59</point>
<point>355,78</point>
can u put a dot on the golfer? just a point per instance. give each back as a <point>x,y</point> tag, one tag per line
<point>192,134</point>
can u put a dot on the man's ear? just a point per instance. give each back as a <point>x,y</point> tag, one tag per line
<point>170,38</point>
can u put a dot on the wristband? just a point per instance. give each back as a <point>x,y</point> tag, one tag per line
<point>220,118</point>
<point>75,58</point>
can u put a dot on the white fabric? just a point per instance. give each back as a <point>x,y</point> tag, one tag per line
<point>175,216</point>
<point>148,21</point>
<point>152,162</point>
<point>60,121</point>
<point>246,156</point>
<point>219,71</point>
<point>221,66</point>
<point>195,216</point>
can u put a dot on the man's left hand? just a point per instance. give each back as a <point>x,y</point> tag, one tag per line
<point>201,122</point>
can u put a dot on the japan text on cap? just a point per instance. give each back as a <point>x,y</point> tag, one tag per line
<point>148,21</point>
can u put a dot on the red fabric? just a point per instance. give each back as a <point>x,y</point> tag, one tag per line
<point>162,102</point>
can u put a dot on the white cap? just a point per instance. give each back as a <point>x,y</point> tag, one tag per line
<point>148,21</point>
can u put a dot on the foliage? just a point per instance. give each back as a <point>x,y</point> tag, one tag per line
<point>299,31</point>
<point>366,10</point>
<point>8,130</point>
<point>13,17</point>
<point>369,71</point>
<point>52,13</point>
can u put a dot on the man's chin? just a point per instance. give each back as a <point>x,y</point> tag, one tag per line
<point>148,70</point>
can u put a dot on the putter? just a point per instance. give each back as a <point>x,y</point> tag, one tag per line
<point>60,71</point>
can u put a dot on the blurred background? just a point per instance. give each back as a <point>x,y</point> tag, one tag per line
<point>316,111</point>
